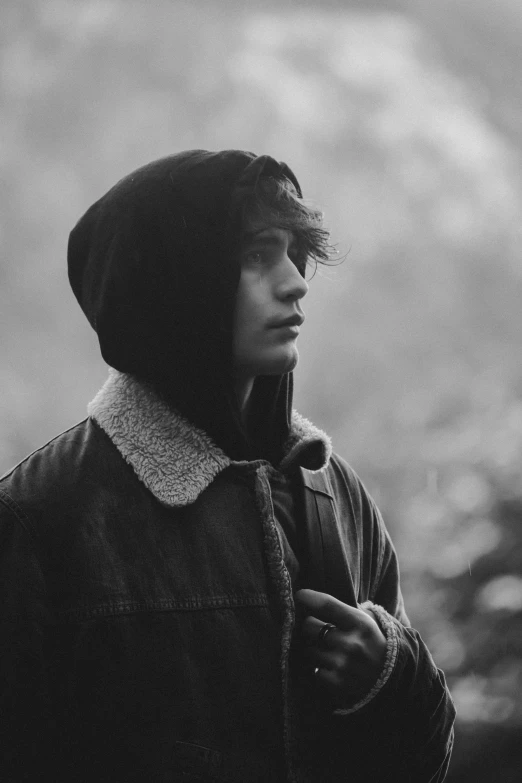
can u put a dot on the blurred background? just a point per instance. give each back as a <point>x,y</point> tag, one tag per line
<point>403,120</point>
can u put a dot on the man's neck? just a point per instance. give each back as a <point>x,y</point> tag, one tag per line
<point>244,388</point>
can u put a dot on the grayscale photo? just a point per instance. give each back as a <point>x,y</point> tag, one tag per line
<point>260,391</point>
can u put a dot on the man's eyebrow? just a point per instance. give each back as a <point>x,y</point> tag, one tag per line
<point>250,237</point>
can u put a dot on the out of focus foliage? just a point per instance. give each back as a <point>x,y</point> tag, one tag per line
<point>403,120</point>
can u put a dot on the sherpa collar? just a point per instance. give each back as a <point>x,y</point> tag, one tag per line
<point>175,460</point>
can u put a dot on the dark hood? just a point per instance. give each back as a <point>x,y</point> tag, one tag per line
<point>154,266</point>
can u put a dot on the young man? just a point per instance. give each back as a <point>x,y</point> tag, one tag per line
<point>193,587</point>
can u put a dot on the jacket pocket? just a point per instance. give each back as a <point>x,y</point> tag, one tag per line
<point>194,763</point>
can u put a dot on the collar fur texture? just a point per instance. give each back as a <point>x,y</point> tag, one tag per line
<point>175,460</point>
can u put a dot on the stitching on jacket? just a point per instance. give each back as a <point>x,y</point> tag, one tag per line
<point>197,603</point>
<point>40,448</point>
<point>19,514</point>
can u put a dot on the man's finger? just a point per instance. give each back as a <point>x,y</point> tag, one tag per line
<point>311,630</point>
<point>329,609</point>
<point>324,659</point>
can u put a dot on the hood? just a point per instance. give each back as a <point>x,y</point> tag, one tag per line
<point>154,267</point>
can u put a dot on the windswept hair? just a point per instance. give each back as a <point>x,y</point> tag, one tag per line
<point>275,203</point>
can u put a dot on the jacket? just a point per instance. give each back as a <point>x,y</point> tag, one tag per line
<point>148,628</point>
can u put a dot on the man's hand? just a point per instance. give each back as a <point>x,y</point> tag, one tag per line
<point>350,658</point>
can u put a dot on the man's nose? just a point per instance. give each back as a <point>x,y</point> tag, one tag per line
<point>293,285</point>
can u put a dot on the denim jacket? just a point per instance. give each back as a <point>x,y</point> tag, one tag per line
<point>148,629</point>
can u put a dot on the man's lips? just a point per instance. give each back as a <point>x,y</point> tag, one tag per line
<point>294,320</point>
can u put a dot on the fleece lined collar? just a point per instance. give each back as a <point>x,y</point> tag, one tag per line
<point>175,460</point>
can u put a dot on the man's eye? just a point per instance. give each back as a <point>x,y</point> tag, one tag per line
<point>254,257</point>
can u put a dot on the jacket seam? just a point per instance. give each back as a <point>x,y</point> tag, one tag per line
<point>41,448</point>
<point>17,512</point>
<point>205,603</point>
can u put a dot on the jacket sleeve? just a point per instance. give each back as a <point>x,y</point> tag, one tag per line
<point>409,712</point>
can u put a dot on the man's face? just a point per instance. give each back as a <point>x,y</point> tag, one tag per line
<point>268,311</point>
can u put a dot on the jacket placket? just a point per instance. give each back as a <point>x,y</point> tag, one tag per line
<point>280,578</point>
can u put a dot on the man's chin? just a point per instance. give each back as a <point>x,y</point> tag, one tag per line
<point>278,364</point>
<point>282,365</point>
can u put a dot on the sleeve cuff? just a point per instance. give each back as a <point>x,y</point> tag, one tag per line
<point>389,629</point>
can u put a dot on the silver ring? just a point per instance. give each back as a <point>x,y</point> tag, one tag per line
<point>327,627</point>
